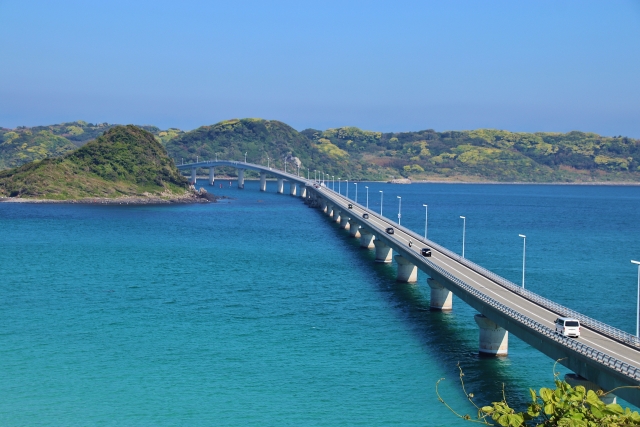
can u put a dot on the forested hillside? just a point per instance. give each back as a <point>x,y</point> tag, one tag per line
<point>124,161</point>
<point>349,152</point>
<point>23,144</point>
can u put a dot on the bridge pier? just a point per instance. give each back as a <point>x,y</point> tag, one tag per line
<point>263,181</point>
<point>193,176</point>
<point>354,228</point>
<point>366,239</point>
<point>494,340</point>
<point>441,297</point>
<point>384,252</point>
<point>344,221</point>
<point>292,188</point>
<point>303,191</point>
<point>407,272</point>
<point>212,178</point>
<point>280,186</point>
<point>576,380</point>
<point>240,178</point>
<point>330,208</point>
<point>323,205</point>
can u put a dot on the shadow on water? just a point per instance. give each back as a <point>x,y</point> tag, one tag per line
<point>448,337</point>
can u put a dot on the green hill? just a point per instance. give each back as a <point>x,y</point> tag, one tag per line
<point>349,152</point>
<point>23,145</point>
<point>124,161</point>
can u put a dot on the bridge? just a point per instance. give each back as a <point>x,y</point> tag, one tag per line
<point>602,358</point>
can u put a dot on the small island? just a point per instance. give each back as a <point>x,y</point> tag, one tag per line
<point>124,165</point>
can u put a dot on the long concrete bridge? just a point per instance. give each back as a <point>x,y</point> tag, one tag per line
<point>603,357</point>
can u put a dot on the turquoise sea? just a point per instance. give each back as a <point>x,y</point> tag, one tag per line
<point>259,311</point>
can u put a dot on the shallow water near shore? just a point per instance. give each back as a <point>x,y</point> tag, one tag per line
<point>258,310</point>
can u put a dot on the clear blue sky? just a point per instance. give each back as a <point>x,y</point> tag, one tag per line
<point>381,65</point>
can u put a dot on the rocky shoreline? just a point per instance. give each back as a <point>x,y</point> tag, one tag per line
<point>201,196</point>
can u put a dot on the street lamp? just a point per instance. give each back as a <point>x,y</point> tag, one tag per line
<point>339,192</point>
<point>347,188</point>
<point>197,159</point>
<point>638,304</point>
<point>356,184</point>
<point>464,227</point>
<point>285,165</point>
<point>399,208</point>
<point>367,187</point>
<point>307,174</point>
<point>524,251</point>
<point>245,156</point>
<point>333,182</point>
<point>426,215</point>
<point>315,175</point>
<point>381,198</point>
<point>216,157</point>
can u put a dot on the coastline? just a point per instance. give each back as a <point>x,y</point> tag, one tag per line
<point>187,198</point>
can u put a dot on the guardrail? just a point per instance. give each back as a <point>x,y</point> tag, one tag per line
<point>596,355</point>
<point>596,325</point>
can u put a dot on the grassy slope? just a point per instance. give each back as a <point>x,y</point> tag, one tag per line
<point>126,160</point>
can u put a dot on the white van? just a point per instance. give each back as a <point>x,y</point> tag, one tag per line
<point>568,326</point>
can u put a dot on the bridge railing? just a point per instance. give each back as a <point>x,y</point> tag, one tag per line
<point>596,325</point>
<point>596,355</point>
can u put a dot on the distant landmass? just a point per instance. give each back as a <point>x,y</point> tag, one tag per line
<point>125,161</point>
<point>355,154</point>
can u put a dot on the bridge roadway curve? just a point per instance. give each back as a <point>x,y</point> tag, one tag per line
<point>593,362</point>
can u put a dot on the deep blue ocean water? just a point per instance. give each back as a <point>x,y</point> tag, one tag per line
<point>259,311</point>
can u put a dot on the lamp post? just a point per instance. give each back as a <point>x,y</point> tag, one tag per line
<point>298,170</point>
<point>367,187</point>
<point>464,228</point>
<point>307,174</point>
<point>426,216</point>
<point>267,162</point>
<point>197,159</point>
<point>182,160</point>
<point>315,175</point>
<point>333,182</point>
<point>245,156</point>
<point>217,157</point>
<point>638,304</point>
<point>285,165</point>
<point>356,184</point>
<point>399,208</point>
<point>381,197</point>
<point>347,188</point>
<point>524,251</point>
<point>339,192</point>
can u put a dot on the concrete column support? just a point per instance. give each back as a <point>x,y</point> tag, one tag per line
<point>336,215</point>
<point>263,181</point>
<point>576,380</point>
<point>494,340</point>
<point>240,178</point>
<point>280,186</point>
<point>292,188</point>
<point>441,297</point>
<point>303,191</point>
<point>329,209</point>
<point>366,239</point>
<point>212,177</point>
<point>407,272</point>
<point>384,253</point>
<point>193,176</point>
<point>323,205</point>
<point>354,229</point>
<point>344,221</point>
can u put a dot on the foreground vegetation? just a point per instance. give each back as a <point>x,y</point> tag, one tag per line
<point>124,161</point>
<point>564,406</point>
<point>349,152</point>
